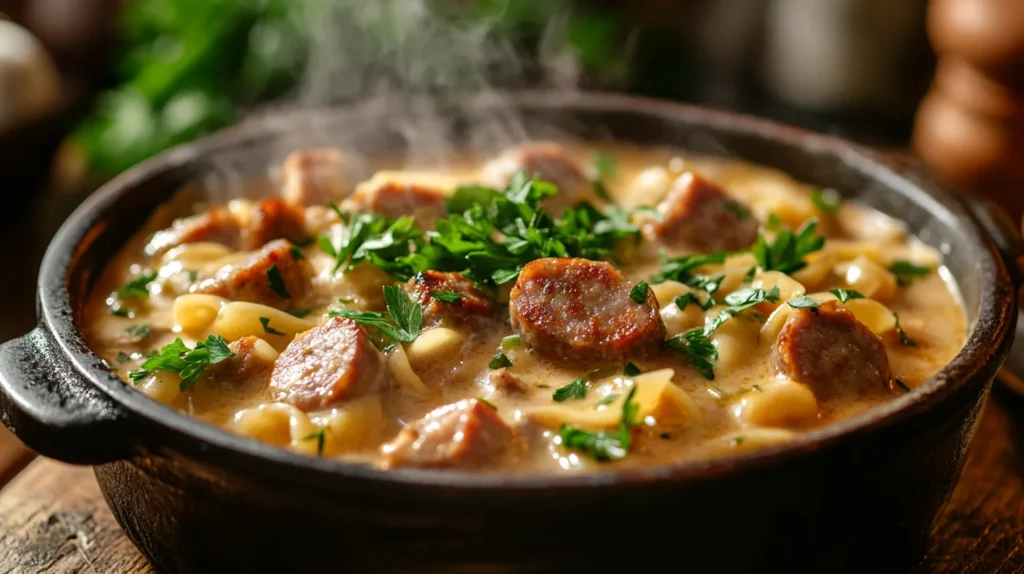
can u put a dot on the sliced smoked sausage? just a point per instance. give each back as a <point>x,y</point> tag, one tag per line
<point>468,433</point>
<point>698,214</point>
<point>429,287</point>
<point>829,350</point>
<point>399,199</point>
<point>272,276</point>
<point>578,311</point>
<point>217,225</point>
<point>315,176</point>
<point>327,364</point>
<point>272,219</point>
<point>547,161</point>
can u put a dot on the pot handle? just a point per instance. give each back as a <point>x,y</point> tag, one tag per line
<point>1003,232</point>
<point>49,406</point>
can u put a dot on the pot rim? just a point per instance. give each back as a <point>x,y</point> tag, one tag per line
<point>223,448</point>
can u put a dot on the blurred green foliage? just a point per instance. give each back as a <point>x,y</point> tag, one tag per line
<point>188,67</point>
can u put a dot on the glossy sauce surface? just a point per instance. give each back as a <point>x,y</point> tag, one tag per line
<point>674,411</point>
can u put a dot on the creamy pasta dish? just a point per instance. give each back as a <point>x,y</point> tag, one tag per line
<point>557,308</point>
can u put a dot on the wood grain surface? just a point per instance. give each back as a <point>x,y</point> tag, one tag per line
<point>54,519</point>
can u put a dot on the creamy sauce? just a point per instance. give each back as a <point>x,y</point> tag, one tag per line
<point>682,414</point>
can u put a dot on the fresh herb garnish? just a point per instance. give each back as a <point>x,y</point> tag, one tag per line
<point>446,296</point>
<point>803,302</point>
<point>136,288</point>
<point>902,386</point>
<point>681,268</point>
<point>905,339</point>
<point>276,283</point>
<point>631,370</point>
<point>187,363</point>
<point>905,271</point>
<point>845,295</point>
<point>391,245</point>
<point>499,361</point>
<point>737,209</point>
<point>513,340</point>
<point>827,200</point>
<point>265,321</point>
<point>487,402</point>
<point>774,222</point>
<point>786,253</point>
<point>749,275</point>
<point>299,313</point>
<point>604,445</point>
<point>607,400</point>
<point>140,332</point>
<point>320,437</point>
<point>639,292</point>
<point>123,357</point>
<point>574,390</point>
<point>297,253</point>
<point>696,344</point>
<point>736,441</point>
<point>404,320</point>
<point>601,191</point>
<point>605,164</point>
<point>682,301</point>
<point>193,276</point>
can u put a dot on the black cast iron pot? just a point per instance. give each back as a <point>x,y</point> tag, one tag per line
<point>857,496</point>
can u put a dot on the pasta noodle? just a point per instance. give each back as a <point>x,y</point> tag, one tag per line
<point>239,319</point>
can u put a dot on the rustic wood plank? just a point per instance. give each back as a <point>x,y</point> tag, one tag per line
<point>54,519</point>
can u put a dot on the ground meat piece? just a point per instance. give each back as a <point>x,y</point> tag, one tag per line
<point>833,353</point>
<point>272,276</point>
<point>698,214</point>
<point>329,363</point>
<point>472,303</point>
<point>578,311</point>
<point>468,433</point>
<point>399,199</point>
<point>504,381</point>
<point>248,371</point>
<point>217,225</point>
<point>272,219</point>
<point>315,176</point>
<point>547,161</point>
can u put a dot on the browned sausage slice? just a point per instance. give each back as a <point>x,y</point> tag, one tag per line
<point>832,352</point>
<point>468,433</point>
<point>272,219</point>
<point>472,302</point>
<point>217,225</point>
<point>329,363</point>
<point>578,311</point>
<point>315,176</point>
<point>548,161</point>
<point>698,214</point>
<point>271,276</point>
<point>248,371</point>
<point>399,199</point>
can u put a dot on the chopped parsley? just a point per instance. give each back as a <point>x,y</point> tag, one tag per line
<point>696,344</point>
<point>299,313</point>
<point>639,292</point>
<point>603,445</point>
<point>276,283</point>
<point>187,363</point>
<point>513,340</point>
<point>601,191</point>
<point>193,276</point>
<point>631,370</point>
<point>404,319</point>
<point>446,296</point>
<point>901,385</point>
<point>607,400</point>
<point>787,251</point>
<point>905,339</point>
<point>774,222</point>
<point>376,239</point>
<point>906,271</point>
<point>499,361</point>
<point>297,253</point>
<point>140,332</point>
<point>685,299</point>
<point>319,436</point>
<point>574,390</point>
<point>605,164</point>
<point>737,209</point>
<point>749,275</point>
<point>803,302</point>
<point>827,200</point>
<point>265,321</point>
<point>136,288</point>
<point>736,441</point>
<point>682,268</point>
<point>845,295</point>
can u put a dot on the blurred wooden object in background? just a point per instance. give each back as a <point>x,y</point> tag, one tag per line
<point>970,126</point>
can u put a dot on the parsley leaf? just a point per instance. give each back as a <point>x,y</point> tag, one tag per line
<point>685,299</point>
<point>905,339</point>
<point>905,271</point>
<point>786,253</point>
<point>319,436</point>
<point>696,344</point>
<point>574,390</point>
<point>607,400</point>
<point>136,288</point>
<point>737,209</point>
<point>601,191</point>
<point>639,292</point>
<point>513,340</point>
<point>604,445</point>
<point>140,332</point>
<point>300,313</point>
<point>631,370</point>
<point>499,361</point>
<point>749,275</point>
<point>265,321</point>
<point>403,323</point>
<point>189,364</point>
<point>297,252</point>
<point>774,222</point>
<point>605,164</point>
<point>446,296</point>
<point>276,283</point>
<point>827,200</point>
<point>803,302</point>
<point>845,295</point>
<point>681,268</point>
